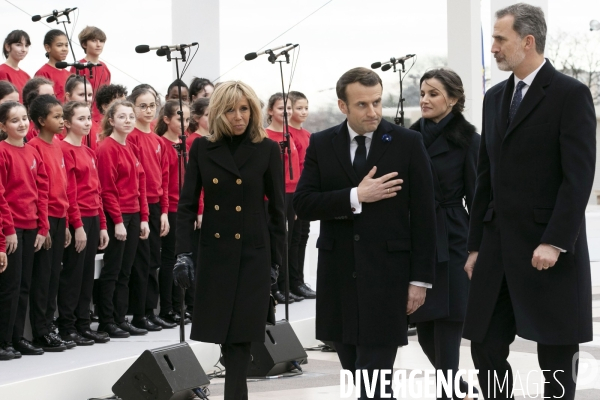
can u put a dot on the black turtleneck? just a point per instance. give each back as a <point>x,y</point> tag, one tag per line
<point>233,142</point>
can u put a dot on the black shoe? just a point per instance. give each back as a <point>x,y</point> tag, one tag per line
<point>305,291</point>
<point>188,316</point>
<point>69,344</point>
<point>49,343</point>
<point>113,331</point>
<point>156,320</point>
<point>25,347</point>
<point>9,347</point>
<point>296,298</point>
<point>171,317</point>
<point>5,354</point>
<point>280,298</point>
<point>145,323</point>
<point>133,331</point>
<point>97,337</point>
<point>77,339</point>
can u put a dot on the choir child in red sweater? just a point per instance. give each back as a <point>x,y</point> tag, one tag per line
<point>151,153</point>
<point>76,90</point>
<point>173,91</point>
<point>198,122</point>
<point>87,224</point>
<point>123,183</point>
<point>301,228</point>
<point>47,114</point>
<point>106,95</point>
<point>24,222</point>
<point>201,87</point>
<point>8,92</point>
<point>35,87</point>
<point>275,130</point>
<point>169,130</point>
<point>57,49</point>
<point>15,48</point>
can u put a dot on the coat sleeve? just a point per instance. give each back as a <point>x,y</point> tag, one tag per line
<point>187,208</point>
<point>578,159</point>
<point>273,183</point>
<point>483,193</point>
<point>470,170</point>
<point>310,202</point>
<point>422,214</point>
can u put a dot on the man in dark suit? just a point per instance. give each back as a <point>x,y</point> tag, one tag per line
<point>377,242</point>
<point>528,260</point>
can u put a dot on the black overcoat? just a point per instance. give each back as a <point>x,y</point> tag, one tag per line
<point>237,244</point>
<point>534,181</point>
<point>454,165</point>
<point>366,260</point>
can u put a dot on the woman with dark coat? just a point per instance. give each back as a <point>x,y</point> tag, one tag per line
<point>452,145</point>
<point>237,166</point>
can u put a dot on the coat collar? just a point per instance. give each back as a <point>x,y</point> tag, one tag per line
<point>219,152</point>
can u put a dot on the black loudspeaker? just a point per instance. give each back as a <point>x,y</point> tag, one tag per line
<point>275,355</point>
<point>166,373</point>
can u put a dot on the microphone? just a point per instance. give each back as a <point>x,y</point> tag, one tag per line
<point>52,16</point>
<point>393,60</point>
<point>376,65</point>
<point>402,59</point>
<point>274,56</point>
<point>63,65</point>
<point>144,48</point>
<point>252,56</point>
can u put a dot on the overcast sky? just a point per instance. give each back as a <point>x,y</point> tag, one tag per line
<point>342,35</point>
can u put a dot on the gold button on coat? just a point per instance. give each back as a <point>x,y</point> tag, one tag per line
<point>217,207</point>
<point>238,209</point>
<point>238,181</point>
<point>215,181</point>
<point>237,236</point>
<point>217,235</point>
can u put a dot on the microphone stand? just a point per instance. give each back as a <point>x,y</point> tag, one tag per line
<point>399,120</point>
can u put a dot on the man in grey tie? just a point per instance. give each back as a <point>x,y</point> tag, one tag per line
<point>528,263</point>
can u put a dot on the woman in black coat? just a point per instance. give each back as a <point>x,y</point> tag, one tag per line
<point>237,166</point>
<point>452,145</point>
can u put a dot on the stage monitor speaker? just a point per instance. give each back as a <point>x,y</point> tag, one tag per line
<point>166,373</point>
<point>275,355</point>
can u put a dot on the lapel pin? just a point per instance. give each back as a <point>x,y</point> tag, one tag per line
<point>386,138</point>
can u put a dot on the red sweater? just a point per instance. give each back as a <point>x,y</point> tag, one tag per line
<point>52,156</point>
<point>290,185</point>
<point>101,78</point>
<point>58,76</point>
<point>18,78</point>
<point>151,153</point>
<point>83,188</point>
<point>5,211</point>
<point>301,139</point>
<point>122,179</point>
<point>23,175</point>
<point>190,139</point>
<point>32,132</point>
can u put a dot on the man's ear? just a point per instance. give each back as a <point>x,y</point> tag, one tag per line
<point>343,106</point>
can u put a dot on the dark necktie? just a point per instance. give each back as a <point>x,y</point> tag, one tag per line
<point>360,157</point>
<point>516,101</point>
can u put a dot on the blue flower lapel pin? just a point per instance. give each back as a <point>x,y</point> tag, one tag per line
<point>386,138</point>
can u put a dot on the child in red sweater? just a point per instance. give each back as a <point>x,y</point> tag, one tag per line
<point>57,49</point>
<point>151,153</point>
<point>15,49</point>
<point>35,87</point>
<point>24,222</point>
<point>87,224</point>
<point>75,90</point>
<point>198,121</point>
<point>8,92</point>
<point>123,183</point>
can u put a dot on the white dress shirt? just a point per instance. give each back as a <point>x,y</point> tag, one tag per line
<point>354,203</point>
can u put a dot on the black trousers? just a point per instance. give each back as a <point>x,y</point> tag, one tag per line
<point>290,216</point>
<point>113,283</point>
<point>236,357</point>
<point>368,358</point>
<point>42,284</point>
<point>165,274</point>
<point>77,280</point>
<point>297,251</point>
<point>440,341</point>
<point>491,357</point>
<point>19,263</point>
<point>146,264</point>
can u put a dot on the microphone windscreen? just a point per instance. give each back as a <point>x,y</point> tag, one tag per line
<point>142,48</point>
<point>376,65</point>
<point>62,65</point>
<point>386,67</point>
<point>51,18</point>
<point>161,52</point>
<point>36,18</point>
<point>250,56</point>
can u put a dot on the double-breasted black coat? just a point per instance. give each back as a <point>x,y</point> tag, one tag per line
<point>367,260</point>
<point>237,244</point>
<point>534,180</point>
<point>454,166</point>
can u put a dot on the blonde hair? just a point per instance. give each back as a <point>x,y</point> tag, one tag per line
<point>107,128</point>
<point>224,98</point>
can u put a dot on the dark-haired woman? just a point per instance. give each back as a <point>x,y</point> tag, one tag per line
<point>452,144</point>
<point>57,49</point>
<point>15,48</point>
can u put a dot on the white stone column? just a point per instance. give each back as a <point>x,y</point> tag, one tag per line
<point>464,53</point>
<point>198,21</point>
<point>498,76</point>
